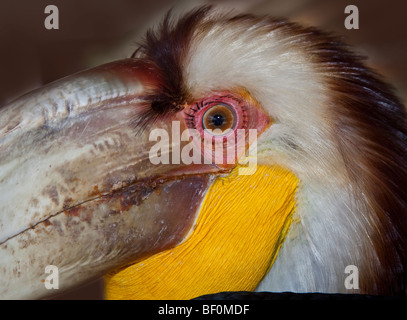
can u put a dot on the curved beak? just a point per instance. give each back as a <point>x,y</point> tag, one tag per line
<point>78,188</point>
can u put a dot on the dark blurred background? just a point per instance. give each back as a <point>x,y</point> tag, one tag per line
<point>92,32</point>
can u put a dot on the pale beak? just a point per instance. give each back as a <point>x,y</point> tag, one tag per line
<point>77,187</point>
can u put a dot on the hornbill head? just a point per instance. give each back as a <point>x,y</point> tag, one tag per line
<point>116,170</point>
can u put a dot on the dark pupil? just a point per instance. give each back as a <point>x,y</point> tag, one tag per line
<point>217,120</point>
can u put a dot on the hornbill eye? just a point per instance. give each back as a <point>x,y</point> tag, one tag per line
<point>221,117</point>
<point>221,114</point>
<point>222,121</point>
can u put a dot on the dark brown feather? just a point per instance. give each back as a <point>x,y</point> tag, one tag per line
<point>165,48</point>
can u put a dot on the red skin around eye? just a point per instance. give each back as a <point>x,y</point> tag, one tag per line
<point>237,106</point>
<point>249,115</point>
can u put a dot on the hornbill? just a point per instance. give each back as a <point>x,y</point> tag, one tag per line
<point>85,185</point>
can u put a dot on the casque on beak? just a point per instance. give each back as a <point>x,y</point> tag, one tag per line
<point>78,189</point>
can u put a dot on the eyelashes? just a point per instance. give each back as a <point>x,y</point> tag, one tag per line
<point>190,116</point>
<point>198,106</point>
<point>219,115</point>
<point>155,107</point>
<point>190,120</point>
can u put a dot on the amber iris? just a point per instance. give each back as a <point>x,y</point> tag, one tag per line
<point>219,116</point>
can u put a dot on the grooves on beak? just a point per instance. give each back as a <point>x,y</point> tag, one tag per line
<point>77,188</point>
